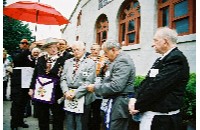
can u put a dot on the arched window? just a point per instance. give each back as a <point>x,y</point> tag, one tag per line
<point>178,14</point>
<point>129,22</point>
<point>102,29</point>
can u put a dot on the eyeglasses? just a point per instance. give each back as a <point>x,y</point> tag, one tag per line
<point>23,42</point>
<point>62,44</point>
<point>77,50</point>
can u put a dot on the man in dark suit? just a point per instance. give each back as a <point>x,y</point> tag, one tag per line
<point>20,95</point>
<point>48,68</point>
<point>64,49</point>
<point>160,95</point>
<point>117,86</point>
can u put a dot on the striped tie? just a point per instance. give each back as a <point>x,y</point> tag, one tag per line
<point>75,66</point>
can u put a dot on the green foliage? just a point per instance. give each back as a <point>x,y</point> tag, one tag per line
<point>189,106</point>
<point>13,32</point>
<point>138,80</point>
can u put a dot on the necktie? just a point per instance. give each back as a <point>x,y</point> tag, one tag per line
<point>75,66</point>
<point>156,62</point>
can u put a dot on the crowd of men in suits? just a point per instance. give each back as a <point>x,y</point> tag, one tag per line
<point>90,89</point>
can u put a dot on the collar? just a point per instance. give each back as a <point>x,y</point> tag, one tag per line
<point>167,53</point>
<point>81,59</point>
<point>53,57</point>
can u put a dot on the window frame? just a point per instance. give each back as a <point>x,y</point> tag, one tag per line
<point>191,15</point>
<point>102,21</point>
<point>135,18</point>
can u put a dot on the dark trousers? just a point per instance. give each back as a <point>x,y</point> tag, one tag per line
<point>19,98</point>
<point>166,122</point>
<point>119,124</point>
<point>5,85</point>
<point>28,109</point>
<point>43,115</point>
<point>19,101</point>
<point>95,116</point>
<point>85,117</point>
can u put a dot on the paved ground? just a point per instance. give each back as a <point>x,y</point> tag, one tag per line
<point>33,123</point>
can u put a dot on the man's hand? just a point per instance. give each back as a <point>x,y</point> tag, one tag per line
<point>69,94</point>
<point>131,106</point>
<point>90,88</point>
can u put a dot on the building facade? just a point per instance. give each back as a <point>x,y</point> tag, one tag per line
<point>133,23</point>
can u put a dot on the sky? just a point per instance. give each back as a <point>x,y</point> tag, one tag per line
<point>65,7</point>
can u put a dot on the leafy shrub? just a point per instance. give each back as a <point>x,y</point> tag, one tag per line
<point>189,106</point>
<point>138,80</point>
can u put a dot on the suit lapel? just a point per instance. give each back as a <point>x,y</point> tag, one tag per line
<point>81,66</point>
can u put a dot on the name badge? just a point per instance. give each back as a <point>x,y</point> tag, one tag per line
<point>107,73</point>
<point>153,72</point>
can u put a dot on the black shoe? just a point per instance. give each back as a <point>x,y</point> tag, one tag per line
<point>26,115</point>
<point>14,128</point>
<point>5,99</point>
<point>24,125</point>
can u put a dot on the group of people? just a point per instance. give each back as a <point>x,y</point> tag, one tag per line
<point>72,83</point>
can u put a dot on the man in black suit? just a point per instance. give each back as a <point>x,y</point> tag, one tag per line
<point>64,49</point>
<point>160,95</point>
<point>20,95</point>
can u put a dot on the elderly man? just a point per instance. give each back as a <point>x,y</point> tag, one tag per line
<point>45,87</point>
<point>117,86</point>
<point>100,60</point>
<point>77,73</point>
<point>160,95</point>
<point>64,49</point>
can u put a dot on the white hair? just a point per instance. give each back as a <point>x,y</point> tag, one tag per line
<point>79,44</point>
<point>36,50</point>
<point>168,33</point>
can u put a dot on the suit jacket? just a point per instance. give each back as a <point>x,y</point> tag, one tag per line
<point>164,92</point>
<point>86,66</point>
<point>66,55</point>
<point>118,81</point>
<point>20,59</point>
<point>55,72</point>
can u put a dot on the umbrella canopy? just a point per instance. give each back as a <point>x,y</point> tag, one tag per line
<point>35,12</point>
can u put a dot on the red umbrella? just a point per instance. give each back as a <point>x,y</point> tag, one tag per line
<point>35,12</point>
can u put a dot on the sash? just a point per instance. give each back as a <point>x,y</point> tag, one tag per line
<point>75,105</point>
<point>45,89</point>
<point>108,114</point>
<point>147,118</point>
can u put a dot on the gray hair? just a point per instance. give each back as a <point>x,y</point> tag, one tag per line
<point>109,44</point>
<point>36,49</point>
<point>168,33</point>
<point>79,44</point>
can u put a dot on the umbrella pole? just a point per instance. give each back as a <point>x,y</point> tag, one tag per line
<point>35,31</point>
<point>37,14</point>
<point>36,23</point>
